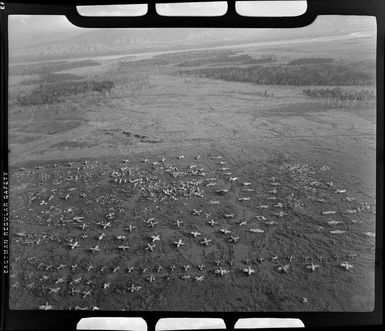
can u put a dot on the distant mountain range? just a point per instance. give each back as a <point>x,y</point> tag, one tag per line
<point>124,41</point>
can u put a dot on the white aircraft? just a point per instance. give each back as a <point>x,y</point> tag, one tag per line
<point>76,281</point>
<point>150,247</point>
<point>155,238</point>
<point>228,215</point>
<point>329,212</point>
<point>54,290</point>
<point>199,278</point>
<point>179,243</point>
<point>133,288</point>
<point>334,222</point>
<point>234,239</point>
<point>95,249</point>
<point>106,285</point>
<point>257,230</point>
<point>197,212</point>
<point>261,218</point>
<point>46,306</point>
<point>86,293</point>
<point>222,191</point>
<point>274,259</point>
<point>244,199</point>
<point>212,223</point>
<point>206,242</point>
<point>201,267</point>
<point>102,235</point>
<point>221,271</point>
<point>106,225</point>
<point>152,224</point>
<point>83,227</point>
<point>131,228</point>
<point>346,265</point>
<point>178,223</point>
<point>225,231</point>
<point>151,278</point>
<point>121,237</point>
<point>340,191</point>
<point>74,245</point>
<point>249,270</point>
<point>123,247</point>
<point>283,268</point>
<point>195,234</point>
<point>60,280</point>
<point>313,267</point>
<point>233,179</point>
<point>130,269</point>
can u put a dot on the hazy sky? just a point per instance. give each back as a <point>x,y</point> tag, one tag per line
<point>28,28</point>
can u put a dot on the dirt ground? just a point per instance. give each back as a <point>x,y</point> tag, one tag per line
<point>286,154</point>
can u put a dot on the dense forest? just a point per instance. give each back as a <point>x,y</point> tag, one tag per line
<point>340,94</point>
<point>51,78</point>
<point>311,60</point>
<point>315,74</point>
<point>51,93</point>
<point>48,67</point>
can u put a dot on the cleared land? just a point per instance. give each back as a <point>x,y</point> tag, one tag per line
<point>108,151</point>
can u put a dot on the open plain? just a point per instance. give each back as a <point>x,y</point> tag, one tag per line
<point>196,181</point>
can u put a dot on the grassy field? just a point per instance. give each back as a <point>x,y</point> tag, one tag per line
<point>110,152</point>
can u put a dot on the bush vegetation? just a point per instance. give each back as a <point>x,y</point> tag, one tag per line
<point>220,59</point>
